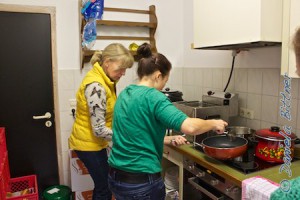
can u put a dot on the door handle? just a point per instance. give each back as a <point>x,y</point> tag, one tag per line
<point>46,116</point>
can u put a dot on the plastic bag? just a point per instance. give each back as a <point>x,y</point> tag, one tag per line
<point>91,10</point>
<point>89,34</point>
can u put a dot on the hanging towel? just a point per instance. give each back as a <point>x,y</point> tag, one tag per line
<point>258,188</point>
<point>292,194</point>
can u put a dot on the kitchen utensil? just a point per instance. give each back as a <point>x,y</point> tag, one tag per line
<point>271,145</point>
<point>223,147</point>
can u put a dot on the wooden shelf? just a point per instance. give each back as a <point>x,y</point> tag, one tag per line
<point>151,25</point>
<point>125,23</point>
<point>121,38</point>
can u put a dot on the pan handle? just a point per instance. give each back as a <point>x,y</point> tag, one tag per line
<point>198,144</point>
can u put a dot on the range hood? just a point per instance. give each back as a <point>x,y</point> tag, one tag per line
<point>237,24</point>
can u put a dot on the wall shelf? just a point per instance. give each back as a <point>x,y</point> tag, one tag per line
<point>151,25</point>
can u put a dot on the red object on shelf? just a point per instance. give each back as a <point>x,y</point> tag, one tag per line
<point>4,177</point>
<point>4,168</point>
<point>26,185</point>
<point>2,143</point>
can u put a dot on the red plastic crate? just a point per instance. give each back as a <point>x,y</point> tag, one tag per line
<point>21,184</point>
<point>3,148</point>
<point>4,176</point>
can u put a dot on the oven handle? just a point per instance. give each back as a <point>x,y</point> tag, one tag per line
<point>202,189</point>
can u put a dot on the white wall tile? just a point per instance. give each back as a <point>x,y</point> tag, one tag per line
<point>269,111</point>
<point>270,83</point>
<point>243,99</point>
<point>189,93</point>
<point>241,80</point>
<point>267,125</point>
<point>207,78</point>
<point>176,76</point>
<point>255,78</point>
<point>217,79</point>
<point>188,76</point>
<point>66,121</point>
<point>198,77</point>
<point>237,121</point>
<point>254,124</point>
<point>254,103</point>
<point>64,97</point>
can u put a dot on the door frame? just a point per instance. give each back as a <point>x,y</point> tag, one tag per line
<point>52,12</point>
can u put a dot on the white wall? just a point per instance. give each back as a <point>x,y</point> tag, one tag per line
<point>168,35</point>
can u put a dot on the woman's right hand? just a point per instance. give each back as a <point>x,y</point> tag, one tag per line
<point>195,126</point>
<point>220,126</point>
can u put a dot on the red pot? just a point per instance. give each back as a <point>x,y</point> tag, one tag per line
<point>272,146</point>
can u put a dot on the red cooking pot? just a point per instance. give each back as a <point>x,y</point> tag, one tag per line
<point>271,145</point>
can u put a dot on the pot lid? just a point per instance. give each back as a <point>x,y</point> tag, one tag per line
<point>273,133</point>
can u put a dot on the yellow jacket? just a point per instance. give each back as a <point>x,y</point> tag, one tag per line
<point>82,137</point>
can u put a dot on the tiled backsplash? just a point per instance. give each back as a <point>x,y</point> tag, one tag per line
<point>258,89</point>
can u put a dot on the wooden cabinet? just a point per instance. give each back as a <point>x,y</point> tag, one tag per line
<point>291,16</point>
<point>172,158</point>
<point>151,25</point>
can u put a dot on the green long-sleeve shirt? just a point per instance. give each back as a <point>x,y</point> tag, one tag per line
<point>141,116</point>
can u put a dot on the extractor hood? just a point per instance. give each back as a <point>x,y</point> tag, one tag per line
<point>237,24</point>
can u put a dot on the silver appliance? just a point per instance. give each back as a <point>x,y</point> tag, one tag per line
<point>214,105</point>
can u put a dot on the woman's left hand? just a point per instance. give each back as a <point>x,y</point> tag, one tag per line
<point>175,140</point>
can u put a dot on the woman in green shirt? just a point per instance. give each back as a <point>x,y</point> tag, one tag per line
<point>141,116</point>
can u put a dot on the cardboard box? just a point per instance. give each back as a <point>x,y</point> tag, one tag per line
<point>80,178</point>
<point>84,195</point>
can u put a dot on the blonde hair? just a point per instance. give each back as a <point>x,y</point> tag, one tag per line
<point>113,52</point>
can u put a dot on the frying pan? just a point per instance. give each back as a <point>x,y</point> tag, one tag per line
<point>224,147</point>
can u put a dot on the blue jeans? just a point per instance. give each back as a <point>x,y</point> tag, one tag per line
<point>96,163</point>
<point>151,190</point>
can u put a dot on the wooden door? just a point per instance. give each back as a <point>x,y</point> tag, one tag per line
<point>26,86</point>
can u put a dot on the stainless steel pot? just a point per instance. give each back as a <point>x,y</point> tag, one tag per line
<point>243,132</point>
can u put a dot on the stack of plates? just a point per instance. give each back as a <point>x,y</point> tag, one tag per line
<point>171,178</point>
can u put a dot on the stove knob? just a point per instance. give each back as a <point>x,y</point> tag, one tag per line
<point>210,92</point>
<point>200,174</point>
<point>227,95</point>
<point>214,182</point>
<point>191,167</point>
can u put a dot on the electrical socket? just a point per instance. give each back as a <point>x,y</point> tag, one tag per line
<point>72,103</point>
<point>246,113</point>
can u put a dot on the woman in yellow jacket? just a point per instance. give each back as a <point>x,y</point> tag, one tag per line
<point>96,97</point>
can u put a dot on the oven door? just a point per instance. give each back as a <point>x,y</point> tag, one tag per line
<point>200,183</point>
<point>195,189</point>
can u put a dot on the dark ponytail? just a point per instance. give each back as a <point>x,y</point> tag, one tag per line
<point>151,62</point>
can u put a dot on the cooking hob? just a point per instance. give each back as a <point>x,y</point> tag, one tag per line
<point>247,163</point>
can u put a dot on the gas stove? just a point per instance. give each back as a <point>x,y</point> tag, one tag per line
<point>247,163</point>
